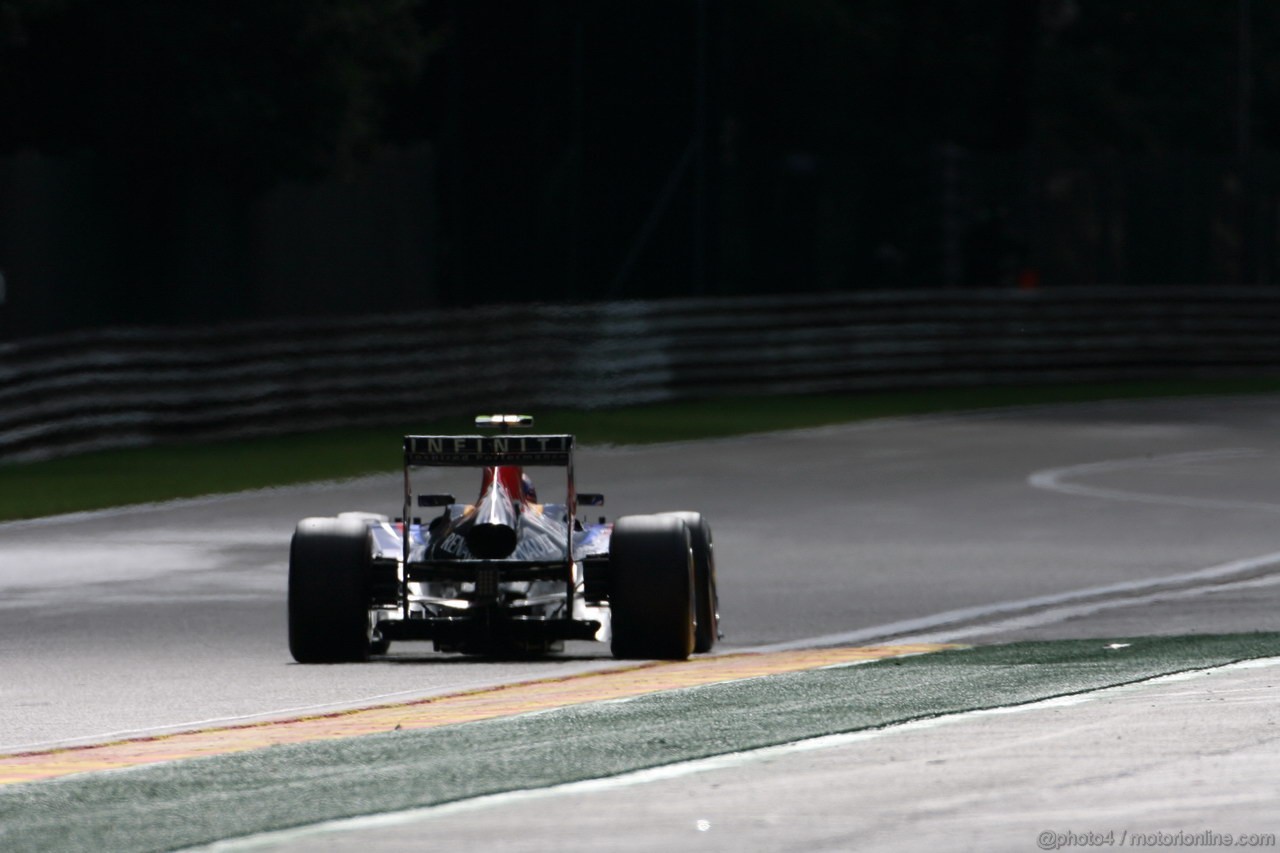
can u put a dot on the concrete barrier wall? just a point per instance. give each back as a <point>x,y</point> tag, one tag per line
<point>128,387</point>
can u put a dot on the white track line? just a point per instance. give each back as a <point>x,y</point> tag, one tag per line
<point>690,768</point>
<point>1127,589</point>
<point>1062,614</point>
<point>1056,480</point>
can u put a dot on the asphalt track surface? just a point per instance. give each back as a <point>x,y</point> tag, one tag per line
<point>171,617</point>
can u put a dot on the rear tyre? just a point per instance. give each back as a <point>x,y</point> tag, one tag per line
<point>706,597</point>
<point>651,595</point>
<point>329,591</point>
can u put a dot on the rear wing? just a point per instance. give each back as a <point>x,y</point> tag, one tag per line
<point>480,450</point>
<point>428,451</point>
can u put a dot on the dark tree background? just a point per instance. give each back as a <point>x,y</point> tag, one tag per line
<point>203,161</point>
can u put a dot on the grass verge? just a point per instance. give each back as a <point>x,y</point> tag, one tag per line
<point>119,477</point>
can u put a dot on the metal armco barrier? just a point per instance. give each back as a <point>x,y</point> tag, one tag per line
<point>127,387</point>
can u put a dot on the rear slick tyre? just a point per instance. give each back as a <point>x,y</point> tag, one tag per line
<point>329,562</point>
<point>652,592</point>
<point>707,598</point>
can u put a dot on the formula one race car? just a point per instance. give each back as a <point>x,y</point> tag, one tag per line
<point>504,575</point>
